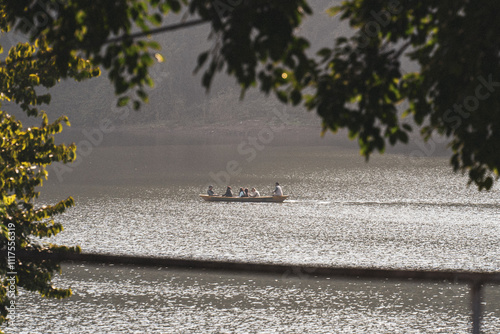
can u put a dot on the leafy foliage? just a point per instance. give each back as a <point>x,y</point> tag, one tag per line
<point>357,83</point>
<point>455,93</point>
<point>75,26</point>
<point>24,155</point>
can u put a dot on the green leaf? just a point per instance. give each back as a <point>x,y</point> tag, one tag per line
<point>154,45</point>
<point>325,53</point>
<point>123,101</point>
<point>407,127</point>
<point>174,5</point>
<point>136,105</point>
<point>332,11</point>
<point>159,58</point>
<point>296,97</point>
<point>282,96</point>
<point>143,95</point>
<point>155,19</point>
<point>202,58</point>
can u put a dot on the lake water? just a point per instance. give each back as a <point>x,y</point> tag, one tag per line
<point>394,212</point>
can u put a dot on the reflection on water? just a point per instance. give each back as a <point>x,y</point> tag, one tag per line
<point>391,213</point>
<point>115,299</point>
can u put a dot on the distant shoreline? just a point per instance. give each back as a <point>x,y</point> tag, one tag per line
<point>232,133</point>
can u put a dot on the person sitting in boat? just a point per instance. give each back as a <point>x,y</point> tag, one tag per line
<point>242,193</point>
<point>229,192</point>
<point>278,191</point>
<point>210,191</point>
<point>254,193</point>
<point>246,192</point>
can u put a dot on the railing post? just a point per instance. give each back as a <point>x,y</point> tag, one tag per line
<point>476,288</point>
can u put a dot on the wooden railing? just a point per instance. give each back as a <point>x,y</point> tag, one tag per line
<point>476,280</point>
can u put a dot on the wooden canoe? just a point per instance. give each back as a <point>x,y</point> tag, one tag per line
<point>269,199</point>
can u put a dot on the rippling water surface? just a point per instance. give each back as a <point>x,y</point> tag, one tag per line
<point>394,212</point>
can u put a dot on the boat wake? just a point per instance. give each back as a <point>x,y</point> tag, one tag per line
<point>395,203</point>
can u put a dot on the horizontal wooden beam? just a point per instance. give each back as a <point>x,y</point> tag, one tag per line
<point>287,270</point>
